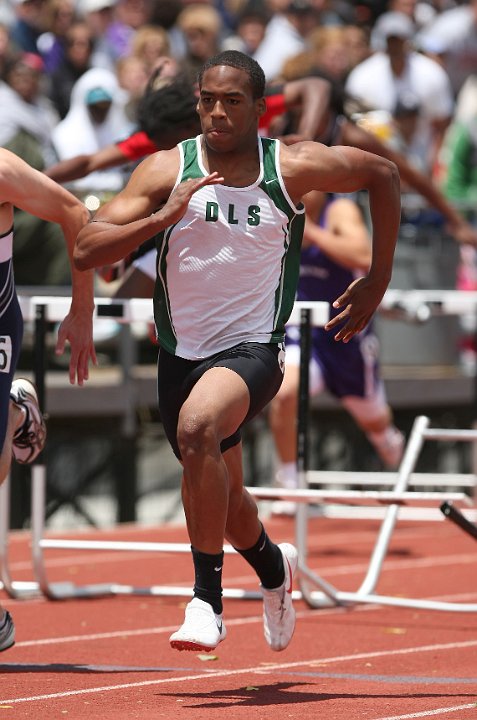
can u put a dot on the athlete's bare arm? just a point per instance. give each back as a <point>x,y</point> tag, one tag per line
<point>28,189</point>
<point>458,226</point>
<point>342,235</point>
<point>132,216</point>
<point>310,166</point>
<point>82,165</point>
<point>311,96</point>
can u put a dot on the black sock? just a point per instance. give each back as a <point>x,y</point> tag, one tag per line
<point>208,578</point>
<point>267,560</point>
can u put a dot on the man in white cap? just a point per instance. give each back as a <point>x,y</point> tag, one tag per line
<point>396,69</point>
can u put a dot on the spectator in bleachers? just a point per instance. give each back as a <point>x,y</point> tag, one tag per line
<point>327,53</point>
<point>466,101</point>
<point>128,17</point>
<point>454,34</point>
<point>132,78</point>
<point>96,118</point>
<point>60,15</point>
<point>99,14</point>
<point>201,26</point>
<point>403,124</point>
<point>249,31</point>
<point>378,82</point>
<point>420,12</point>
<point>148,45</point>
<point>165,13</point>
<point>7,51</point>
<point>357,44</point>
<point>285,35</point>
<point>29,23</point>
<point>27,120</point>
<point>27,116</point>
<point>79,46</point>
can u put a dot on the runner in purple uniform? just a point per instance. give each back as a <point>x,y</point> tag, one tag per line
<point>335,251</point>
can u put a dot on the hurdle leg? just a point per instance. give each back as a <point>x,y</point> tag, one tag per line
<point>452,513</point>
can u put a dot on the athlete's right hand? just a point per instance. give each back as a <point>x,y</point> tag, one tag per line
<point>178,201</point>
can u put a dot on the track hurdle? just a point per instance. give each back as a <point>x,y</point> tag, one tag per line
<point>45,309</point>
<point>312,313</point>
<point>327,595</point>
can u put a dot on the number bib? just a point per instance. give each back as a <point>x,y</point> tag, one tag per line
<point>5,353</point>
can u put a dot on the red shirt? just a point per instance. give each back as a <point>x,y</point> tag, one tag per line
<point>137,146</point>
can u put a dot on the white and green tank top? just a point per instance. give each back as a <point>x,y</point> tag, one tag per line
<point>227,271</point>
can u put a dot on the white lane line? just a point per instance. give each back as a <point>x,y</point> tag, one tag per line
<point>258,669</point>
<point>93,637</point>
<point>428,713</point>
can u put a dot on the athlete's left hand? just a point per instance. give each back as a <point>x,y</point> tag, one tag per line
<point>359,303</point>
<point>77,329</point>
<point>178,201</point>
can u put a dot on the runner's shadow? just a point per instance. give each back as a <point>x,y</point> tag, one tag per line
<point>282,694</point>
<point>85,669</point>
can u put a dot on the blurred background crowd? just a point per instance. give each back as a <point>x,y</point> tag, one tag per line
<point>72,73</point>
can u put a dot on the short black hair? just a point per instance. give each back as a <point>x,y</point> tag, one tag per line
<point>171,106</point>
<point>240,61</point>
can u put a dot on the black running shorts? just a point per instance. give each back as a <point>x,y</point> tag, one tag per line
<point>260,365</point>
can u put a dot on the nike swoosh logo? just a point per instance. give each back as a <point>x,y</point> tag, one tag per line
<point>218,569</point>
<point>290,586</point>
<point>267,182</point>
<point>219,627</point>
<point>262,545</point>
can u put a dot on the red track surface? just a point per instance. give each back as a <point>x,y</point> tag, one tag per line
<point>110,657</point>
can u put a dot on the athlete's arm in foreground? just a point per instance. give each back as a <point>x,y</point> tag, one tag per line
<point>81,165</point>
<point>310,166</point>
<point>458,226</point>
<point>129,219</point>
<point>311,97</point>
<point>28,189</point>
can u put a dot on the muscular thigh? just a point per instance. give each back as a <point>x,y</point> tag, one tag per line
<point>243,378</point>
<point>220,398</point>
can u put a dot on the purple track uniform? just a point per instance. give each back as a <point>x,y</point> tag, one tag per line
<point>345,369</point>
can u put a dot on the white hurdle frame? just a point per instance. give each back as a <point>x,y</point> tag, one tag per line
<point>53,309</point>
<point>44,308</point>
<point>328,595</point>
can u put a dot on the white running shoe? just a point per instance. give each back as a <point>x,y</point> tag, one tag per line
<point>7,632</point>
<point>29,440</point>
<point>202,630</point>
<point>278,610</point>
